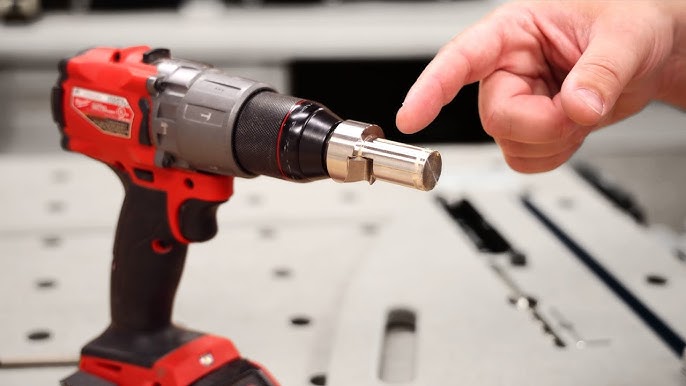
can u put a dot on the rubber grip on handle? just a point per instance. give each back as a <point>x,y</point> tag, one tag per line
<point>146,269</point>
<point>147,263</point>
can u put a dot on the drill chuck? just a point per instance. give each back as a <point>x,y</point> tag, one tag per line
<point>284,137</point>
<point>301,140</point>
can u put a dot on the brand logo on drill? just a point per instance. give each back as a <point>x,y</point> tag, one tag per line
<point>109,113</point>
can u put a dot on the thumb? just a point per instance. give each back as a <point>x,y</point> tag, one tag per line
<point>613,57</point>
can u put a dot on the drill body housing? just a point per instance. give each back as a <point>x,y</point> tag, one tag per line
<point>103,107</point>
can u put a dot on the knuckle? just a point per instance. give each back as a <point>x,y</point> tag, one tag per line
<point>506,146</point>
<point>498,125</point>
<point>606,72</point>
<point>442,88</point>
<point>559,133</point>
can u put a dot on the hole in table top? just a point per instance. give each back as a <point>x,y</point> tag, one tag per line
<point>301,321</point>
<point>656,280</point>
<point>39,335</point>
<point>55,206</point>
<point>282,272</point>
<point>318,379</point>
<point>46,283</point>
<point>51,241</point>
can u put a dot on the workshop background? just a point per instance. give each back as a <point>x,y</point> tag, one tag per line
<point>304,278</point>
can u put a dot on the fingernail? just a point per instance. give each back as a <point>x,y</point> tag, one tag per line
<point>591,99</point>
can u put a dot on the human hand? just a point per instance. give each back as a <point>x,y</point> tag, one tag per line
<point>553,72</point>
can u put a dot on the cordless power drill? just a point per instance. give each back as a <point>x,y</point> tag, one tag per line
<point>176,132</point>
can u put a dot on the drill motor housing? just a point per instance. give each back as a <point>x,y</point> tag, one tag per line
<point>103,108</point>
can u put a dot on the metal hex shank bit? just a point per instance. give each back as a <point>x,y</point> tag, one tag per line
<point>357,151</point>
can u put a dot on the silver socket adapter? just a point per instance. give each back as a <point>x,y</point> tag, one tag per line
<point>357,151</point>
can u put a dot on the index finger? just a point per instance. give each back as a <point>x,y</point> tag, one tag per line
<point>466,58</point>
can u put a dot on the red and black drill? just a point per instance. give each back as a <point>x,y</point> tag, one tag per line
<point>176,132</point>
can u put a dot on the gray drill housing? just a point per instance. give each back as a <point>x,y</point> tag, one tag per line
<point>194,111</point>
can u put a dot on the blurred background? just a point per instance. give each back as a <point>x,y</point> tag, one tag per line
<point>359,58</point>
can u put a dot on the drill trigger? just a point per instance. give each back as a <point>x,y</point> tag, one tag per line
<point>198,219</point>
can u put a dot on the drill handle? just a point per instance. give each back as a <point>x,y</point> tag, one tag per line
<point>148,261</point>
<point>146,270</point>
